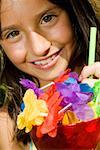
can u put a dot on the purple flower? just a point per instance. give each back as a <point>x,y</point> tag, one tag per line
<point>26,83</point>
<point>72,94</point>
<point>73,75</point>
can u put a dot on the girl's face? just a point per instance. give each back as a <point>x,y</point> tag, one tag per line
<point>37,37</point>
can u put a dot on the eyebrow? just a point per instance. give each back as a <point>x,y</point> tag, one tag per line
<point>13,26</point>
<point>10,27</point>
<point>43,12</point>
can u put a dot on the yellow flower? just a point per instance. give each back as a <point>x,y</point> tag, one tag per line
<point>69,118</point>
<point>34,112</point>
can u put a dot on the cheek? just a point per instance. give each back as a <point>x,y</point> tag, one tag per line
<point>62,33</point>
<point>16,53</point>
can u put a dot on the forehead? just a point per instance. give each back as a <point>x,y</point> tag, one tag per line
<point>23,4</point>
<point>20,6</point>
<point>17,9</point>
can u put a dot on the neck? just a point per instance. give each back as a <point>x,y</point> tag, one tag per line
<point>44,83</point>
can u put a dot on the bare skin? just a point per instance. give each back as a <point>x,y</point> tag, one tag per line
<point>35,41</point>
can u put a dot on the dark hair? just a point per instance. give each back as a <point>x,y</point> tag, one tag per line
<point>82,18</point>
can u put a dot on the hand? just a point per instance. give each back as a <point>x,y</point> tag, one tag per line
<point>88,71</point>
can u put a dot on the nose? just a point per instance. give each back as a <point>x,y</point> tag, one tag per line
<point>39,44</point>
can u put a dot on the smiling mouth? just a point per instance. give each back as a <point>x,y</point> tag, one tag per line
<point>49,62</point>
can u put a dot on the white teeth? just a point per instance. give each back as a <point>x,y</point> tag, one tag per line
<point>37,63</point>
<point>44,62</point>
<point>49,60</point>
<point>53,57</point>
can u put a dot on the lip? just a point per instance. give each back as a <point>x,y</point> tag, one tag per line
<point>50,64</point>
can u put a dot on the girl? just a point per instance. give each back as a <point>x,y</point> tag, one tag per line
<point>40,39</point>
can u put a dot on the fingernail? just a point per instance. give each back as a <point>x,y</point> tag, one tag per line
<point>80,78</point>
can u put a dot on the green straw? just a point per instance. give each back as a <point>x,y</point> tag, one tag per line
<point>92,45</point>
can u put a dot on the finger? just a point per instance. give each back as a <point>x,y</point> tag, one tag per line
<point>90,82</point>
<point>90,70</point>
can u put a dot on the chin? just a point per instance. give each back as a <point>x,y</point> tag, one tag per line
<point>51,75</point>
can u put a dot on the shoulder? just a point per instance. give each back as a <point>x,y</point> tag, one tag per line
<point>7,141</point>
<point>5,120</point>
<point>6,129</point>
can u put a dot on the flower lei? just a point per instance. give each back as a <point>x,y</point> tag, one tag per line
<point>65,102</point>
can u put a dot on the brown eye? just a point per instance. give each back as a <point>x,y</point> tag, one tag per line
<point>47,18</point>
<point>12,34</point>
